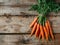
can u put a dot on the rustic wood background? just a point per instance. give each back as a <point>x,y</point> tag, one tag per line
<point>15,18</point>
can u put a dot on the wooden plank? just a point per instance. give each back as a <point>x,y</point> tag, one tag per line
<point>17,2</point>
<point>14,7</point>
<point>8,10</point>
<point>16,10</point>
<point>26,40</point>
<point>20,24</point>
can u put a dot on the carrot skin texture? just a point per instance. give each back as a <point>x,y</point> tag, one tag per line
<point>42,33</point>
<point>37,31</point>
<point>47,28</point>
<point>46,33</point>
<point>50,30</point>
<point>33,29</point>
<point>31,25</point>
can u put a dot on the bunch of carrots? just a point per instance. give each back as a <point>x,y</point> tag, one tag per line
<point>41,26</point>
<point>40,31</point>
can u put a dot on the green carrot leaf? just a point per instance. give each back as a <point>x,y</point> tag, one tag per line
<point>34,7</point>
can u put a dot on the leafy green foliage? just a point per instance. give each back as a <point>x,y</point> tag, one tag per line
<point>44,7</point>
<point>34,7</point>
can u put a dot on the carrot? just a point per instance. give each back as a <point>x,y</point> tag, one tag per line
<point>33,22</point>
<point>50,30</point>
<point>33,30</point>
<point>37,31</point>
<point>46,33</point>
<point>42,33</point>
<point>47,28</point>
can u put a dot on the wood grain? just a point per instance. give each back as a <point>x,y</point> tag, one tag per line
<point>16,10</point>
<point>5,6</point>
<point>24,10</point>
<point>14,7</point>
<point>26,40</point>
<point>20,24</point>
<point>17,2</point>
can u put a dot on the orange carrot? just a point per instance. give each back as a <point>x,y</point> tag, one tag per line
<point>42,33</point>
<point>37,31</point>
<point>50,30</point>
<point>46,33</point>
<point>34,29</point>
<point>33,22</point>
<point>47,28</point>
